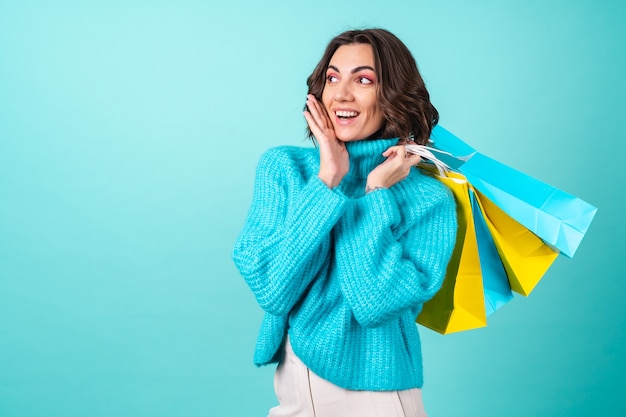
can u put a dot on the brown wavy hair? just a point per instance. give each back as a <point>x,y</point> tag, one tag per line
<point>401,92</point>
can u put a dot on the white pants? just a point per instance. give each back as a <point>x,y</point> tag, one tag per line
<point>301,393</point>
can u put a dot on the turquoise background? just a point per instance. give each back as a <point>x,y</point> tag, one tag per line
<point>129,135</point>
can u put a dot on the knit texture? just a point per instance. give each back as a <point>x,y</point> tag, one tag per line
<point>344,272</point>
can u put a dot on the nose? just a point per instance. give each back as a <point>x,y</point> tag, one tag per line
<point>343,91</point>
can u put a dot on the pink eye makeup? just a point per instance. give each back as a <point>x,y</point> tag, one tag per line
<point>331,78</point>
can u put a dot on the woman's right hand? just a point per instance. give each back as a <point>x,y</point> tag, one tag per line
<point>394,169</point>
<point>334,161</point>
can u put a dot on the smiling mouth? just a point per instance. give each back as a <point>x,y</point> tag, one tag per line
<point>346,114</point>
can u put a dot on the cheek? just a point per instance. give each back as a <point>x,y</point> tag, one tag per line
<point>378,118</point>
<point>376,112</point>
<point>372,101</point>
<point>381,120</point>
<point>325,99</point>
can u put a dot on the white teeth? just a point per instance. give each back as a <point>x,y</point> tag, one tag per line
<point>341,113</point>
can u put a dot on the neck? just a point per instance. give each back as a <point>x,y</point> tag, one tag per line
<point>366,154</point>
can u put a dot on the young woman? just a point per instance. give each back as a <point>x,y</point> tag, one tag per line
<point>345,242</point>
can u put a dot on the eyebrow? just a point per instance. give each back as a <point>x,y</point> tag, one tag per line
<point>355,70</point>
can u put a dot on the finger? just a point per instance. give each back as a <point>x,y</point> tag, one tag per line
<point>317,111</point>
<point>400,150</point>
<point>413,159</point>
<point>315,128</point>
<point>393,150</point>
<point>323,114</point>
<point>315,115</point>
<point>309,119</point>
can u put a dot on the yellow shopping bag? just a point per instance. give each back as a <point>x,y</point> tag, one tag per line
<point>525,257</point>
<point>459,304</point>
<point>496,251</point>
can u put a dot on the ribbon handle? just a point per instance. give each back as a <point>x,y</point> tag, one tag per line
<point>426,152</point>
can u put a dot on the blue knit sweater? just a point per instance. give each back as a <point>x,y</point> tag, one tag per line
<point>344,272</point>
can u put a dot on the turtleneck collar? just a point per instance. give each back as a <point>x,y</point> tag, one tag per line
<point>365,155</point>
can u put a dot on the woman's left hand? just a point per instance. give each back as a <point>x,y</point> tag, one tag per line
<point>395,168</point>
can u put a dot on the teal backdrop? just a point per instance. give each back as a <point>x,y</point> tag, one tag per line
<point>129,135</point>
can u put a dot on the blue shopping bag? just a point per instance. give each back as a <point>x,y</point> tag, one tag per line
<point>558,218</point>
<point>495,281</point>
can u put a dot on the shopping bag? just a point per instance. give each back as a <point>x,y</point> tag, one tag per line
<point>493,255</point>
<point>496,287</point>
<point>558,218</point>
<point>459,304</point>
<point>525,257</point>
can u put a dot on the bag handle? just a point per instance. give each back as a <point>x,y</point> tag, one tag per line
<point>427,152</point>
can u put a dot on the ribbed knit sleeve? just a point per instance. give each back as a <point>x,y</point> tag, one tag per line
<point>385,268</point>
<point>286,237</point>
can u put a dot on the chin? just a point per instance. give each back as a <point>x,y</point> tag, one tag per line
<point>350,137</point>
<point>347,138</point>
<point>354,138</point>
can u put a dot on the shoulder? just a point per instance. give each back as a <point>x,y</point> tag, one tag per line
<point>288,163</point>
<point>422,197</point>
<point>426,190</point>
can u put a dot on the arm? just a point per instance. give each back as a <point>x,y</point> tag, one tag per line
<point>285,238</point>
<point>384,275</point>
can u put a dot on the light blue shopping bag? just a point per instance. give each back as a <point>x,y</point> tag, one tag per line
<point>495,281</point>
<point>558,218</point>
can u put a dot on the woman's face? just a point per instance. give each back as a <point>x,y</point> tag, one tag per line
<point>349,94</point>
